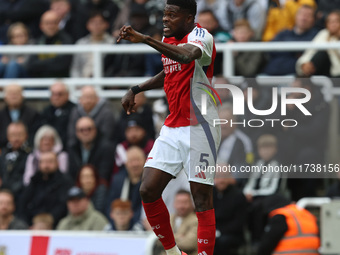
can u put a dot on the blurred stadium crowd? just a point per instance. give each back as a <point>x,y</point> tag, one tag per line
<point>78,166</point>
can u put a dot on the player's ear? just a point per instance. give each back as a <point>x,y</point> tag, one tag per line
<point>190,18</point>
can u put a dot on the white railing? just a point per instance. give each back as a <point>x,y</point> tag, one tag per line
<point>99,51</point>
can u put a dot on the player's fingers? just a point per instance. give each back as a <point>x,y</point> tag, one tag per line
<point>119,39</point>
<point>130,108</point>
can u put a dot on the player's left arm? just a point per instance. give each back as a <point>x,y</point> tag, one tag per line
<point>183,55</point>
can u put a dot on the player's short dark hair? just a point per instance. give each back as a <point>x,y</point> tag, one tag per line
<point>189,5</point>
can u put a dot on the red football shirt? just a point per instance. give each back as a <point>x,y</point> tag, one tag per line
<point>179,77</point>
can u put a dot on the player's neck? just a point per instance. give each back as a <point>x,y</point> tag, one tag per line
<point>185,32</point>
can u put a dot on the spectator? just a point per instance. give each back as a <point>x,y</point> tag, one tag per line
<point>91,148</point>
<point>42,221</point>
<point>281,15</point>
<point>82,65</point>
<point>314,62</point>
<point>230,212</point>
<point>13,159</point>
<point>283,63</point>
<point>168,196</point>
<point>46,139</point>
<point>15,109</point>
<point>7,208</point>
<point>334,190</point>
<point>306,143</point>
<point>125,13</point>
<point>246,63</point>
<point>57,113</point>
<point>13,66</point>
<point>46,64</point>
<point>207,19</point>
<point>184,222</point>
<point>26,11</point>
<point>126,183</point>
<point>218,7</point>
<point>143,111</point>
<point>290,229</point>
<point>98,109</point>
<point>250,10</point>
<point>67,16</point>
<point>47,191</point>
<point>125,65</point>
<point>262,184</point>
<point>108,8</point>
<point>236,147</point>
<point>82,216</point>
<point>121,215</point>
<point>153,61</point>
<point>93,186</point>
<point>325,7</point>
<point>135,133</point>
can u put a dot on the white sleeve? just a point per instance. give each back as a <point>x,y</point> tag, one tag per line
<point>201,38</point>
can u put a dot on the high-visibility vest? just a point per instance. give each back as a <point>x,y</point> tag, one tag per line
<point>302,234</point>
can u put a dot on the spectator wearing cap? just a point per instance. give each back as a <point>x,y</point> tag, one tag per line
<point>99,109</point>
<point>82,64</point>
<point>126,183</point>
<point>121,215</point>
<point>136,135</point>
<point>91,148</point>
<point>262,184</point>
<point>143,111</point>
<point>82,216</point>
<point>47,191</point>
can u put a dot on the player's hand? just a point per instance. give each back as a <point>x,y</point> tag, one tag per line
<point>128,102</point>
<point>129,34</point>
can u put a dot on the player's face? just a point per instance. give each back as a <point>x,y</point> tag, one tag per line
<point>175,21</point>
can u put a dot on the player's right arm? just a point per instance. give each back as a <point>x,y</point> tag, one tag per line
<point>128,100</point>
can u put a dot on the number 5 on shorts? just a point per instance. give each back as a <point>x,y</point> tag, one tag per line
<point>203,160</point>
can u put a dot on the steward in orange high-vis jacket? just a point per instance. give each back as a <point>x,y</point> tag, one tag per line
<point>291,230</point>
